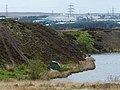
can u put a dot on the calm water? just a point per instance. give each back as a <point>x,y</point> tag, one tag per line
<point>106,65</point>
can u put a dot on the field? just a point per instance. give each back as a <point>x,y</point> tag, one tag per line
<point>50,85</point>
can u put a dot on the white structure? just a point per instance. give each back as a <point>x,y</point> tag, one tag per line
<point>2,17</point>
<point>62,19</point>
<point>115,20</point>
<point>39,20</point>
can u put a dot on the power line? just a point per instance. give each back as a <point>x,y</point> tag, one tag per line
<point>113,11</point>
<point>6,10</point>
<point>71,9</point>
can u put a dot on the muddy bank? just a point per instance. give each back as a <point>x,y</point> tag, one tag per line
<point>82,66</point>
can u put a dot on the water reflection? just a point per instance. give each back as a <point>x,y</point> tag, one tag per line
<point>106,65</point>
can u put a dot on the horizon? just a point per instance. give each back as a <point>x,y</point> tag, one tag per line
<point>59,12</point>
<point>61,6</point>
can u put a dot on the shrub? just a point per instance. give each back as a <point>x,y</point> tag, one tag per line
<point>86,42</point>
<point>36,68</point>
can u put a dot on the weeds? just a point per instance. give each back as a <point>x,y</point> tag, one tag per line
<point>65,68</point>
<point>112,78</point>
<point>36,68</point>
<point>23,71</point>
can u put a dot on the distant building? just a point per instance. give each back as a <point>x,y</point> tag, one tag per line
<point>107,19</point>
<point>39,20</point>
<point>62,19</point>
<point>2,17</point>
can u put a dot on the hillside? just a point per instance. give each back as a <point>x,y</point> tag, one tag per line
<point>20,43</point>
<point>105,40</point>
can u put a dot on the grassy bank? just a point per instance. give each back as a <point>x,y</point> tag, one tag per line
<point>38,70</point>
<point>24,71</point>
<point>68,70</point>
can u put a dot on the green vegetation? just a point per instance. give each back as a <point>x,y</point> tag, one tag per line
<point>84,41</point>
<point>31,41</point>
<point>65,68</point>
<point>22,43</point>
<point>24,71</point>
<point>36,68</point>
<point>85,24</point>
<point>31,72</point>
<point>17,73</point>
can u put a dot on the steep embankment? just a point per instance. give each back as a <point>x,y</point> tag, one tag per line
<point>105,40</point>
<point>20,43</point>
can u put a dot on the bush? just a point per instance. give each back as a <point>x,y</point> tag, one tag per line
<point>64,68</point>
<point>86,42</point>
<point>36,68</point>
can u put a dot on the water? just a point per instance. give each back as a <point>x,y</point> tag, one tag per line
<point>106,65</point>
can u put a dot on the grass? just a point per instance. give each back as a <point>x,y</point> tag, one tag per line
<point>48,85</point>
<point>65,68</point>
<point>112,78</point>
<point>16,74</point>
<point>23,71</point>
<point>34,71</point>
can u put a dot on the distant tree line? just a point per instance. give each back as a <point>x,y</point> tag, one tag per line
<point>90,24</point>
<point>28,18</point>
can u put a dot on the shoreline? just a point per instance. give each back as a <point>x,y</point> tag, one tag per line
<point>55,85</point>
<point>44,83</point>
<point>81,67</point>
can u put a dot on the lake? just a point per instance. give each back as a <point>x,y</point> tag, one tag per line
<point>107,64</point>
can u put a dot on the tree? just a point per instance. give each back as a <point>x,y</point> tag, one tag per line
<point>86,42</point>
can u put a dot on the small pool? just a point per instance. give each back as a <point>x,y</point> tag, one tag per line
<point>106,65</point>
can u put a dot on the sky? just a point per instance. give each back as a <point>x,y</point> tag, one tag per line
<point>60,6</point>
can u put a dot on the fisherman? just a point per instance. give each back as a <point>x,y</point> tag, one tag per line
<point>49,67</point>
<point>89,58</point>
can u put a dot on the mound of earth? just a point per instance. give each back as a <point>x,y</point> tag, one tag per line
<point>22,42</point>
<point>106,40</point>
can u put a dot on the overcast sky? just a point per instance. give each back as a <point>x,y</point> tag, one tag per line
<point>81,6</point>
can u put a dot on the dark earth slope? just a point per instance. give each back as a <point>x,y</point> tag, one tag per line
<point>20,43</point>
<point>106,40</point>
